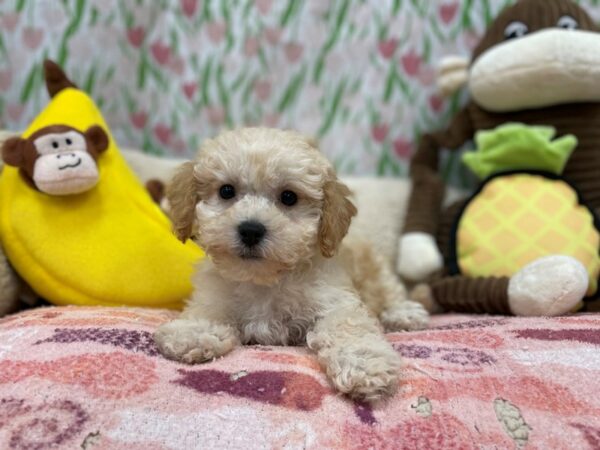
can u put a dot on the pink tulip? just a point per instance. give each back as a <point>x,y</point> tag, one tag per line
<point>251,46</point>
<point>189,89</point>
<point>263,6</point>
<point>139,119</point>
<point>271,120</point>
<point>379,132</point>
<point>436,103</point>
<point>448,12</point>
<point>293,51</point>
<point>216,115</point>
<point>9,21</point>
<point>5,80</point>
<point>32,37</point>
<point>162,133</point>
<point>262,89</point>
<point>135,36</point>
<point>189,7</point>
<point>216,31</point>
<point>179,146</point>
<point>161,52</point>
<point>402,148</point>
<point>411,62</point>
<point>272,35</point>
<point>387,48</point>
<point>15,111</point>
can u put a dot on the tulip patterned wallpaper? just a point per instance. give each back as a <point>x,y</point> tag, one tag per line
<point>358,74</point>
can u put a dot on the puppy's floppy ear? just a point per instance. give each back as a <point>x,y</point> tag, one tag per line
<point>336,216</point>
<point>182,195</point>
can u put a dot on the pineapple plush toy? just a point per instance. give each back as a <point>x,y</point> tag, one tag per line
<point>524,210</point>
<point>526,243</point>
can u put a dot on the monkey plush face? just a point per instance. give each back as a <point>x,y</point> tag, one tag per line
<point>537,53</point>
<point>58,160</point>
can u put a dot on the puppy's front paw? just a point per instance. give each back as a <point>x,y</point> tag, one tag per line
<point>192,341</point>
<point>405,316</point>
<point>366,373</point>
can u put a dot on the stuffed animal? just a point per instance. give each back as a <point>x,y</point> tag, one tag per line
<point>9,286</point>
<point>538,64</point>
<point>75,222</point>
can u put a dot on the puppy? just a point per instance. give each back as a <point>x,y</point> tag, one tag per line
<point>270,213</point>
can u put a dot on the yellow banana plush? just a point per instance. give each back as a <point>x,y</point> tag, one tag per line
<point>107,245</point>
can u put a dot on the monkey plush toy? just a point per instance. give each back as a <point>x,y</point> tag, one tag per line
<point>76,224</point>
<point>534,75</point>
<point>58,159</point>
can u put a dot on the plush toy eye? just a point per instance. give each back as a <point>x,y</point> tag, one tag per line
<point>515,29</point>
<point>68,141</point>
<point>289,198</point>
<point>567,22</point>
<point>227,192</point>
<point>54,144</point>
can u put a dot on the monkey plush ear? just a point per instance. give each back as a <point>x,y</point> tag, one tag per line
<point>97,137</point>
<point>13,151</point>
<point>453,73</point>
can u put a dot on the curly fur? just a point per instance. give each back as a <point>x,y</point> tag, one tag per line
<point>297,287</point>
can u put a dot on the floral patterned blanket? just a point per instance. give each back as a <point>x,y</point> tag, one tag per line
<point>92,378</point>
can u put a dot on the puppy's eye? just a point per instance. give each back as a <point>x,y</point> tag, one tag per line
<point>227,192</point>
<point>289,198</point>
<point>54,144</point>
<point>69,141</point>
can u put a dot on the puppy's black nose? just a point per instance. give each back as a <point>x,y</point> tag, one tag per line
<point>251,232</point>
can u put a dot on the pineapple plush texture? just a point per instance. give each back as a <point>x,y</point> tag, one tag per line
<point>108,246</point>
<point>524,210</point>
<point>518,218</point>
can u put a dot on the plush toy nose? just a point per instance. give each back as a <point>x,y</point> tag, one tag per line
<point>251,232</point>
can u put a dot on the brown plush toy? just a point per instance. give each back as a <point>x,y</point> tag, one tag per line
<point>537,69</point>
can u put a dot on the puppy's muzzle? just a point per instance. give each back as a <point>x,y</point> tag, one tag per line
<point>251,232</point>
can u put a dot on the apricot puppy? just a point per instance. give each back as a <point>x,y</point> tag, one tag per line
<point>271,214</point>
